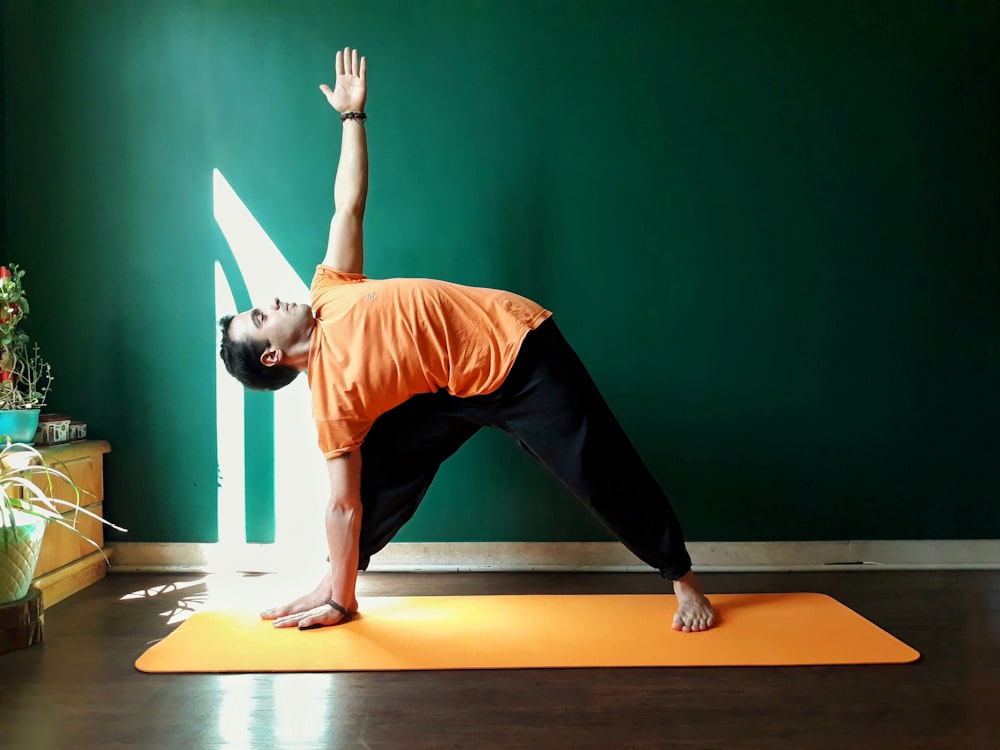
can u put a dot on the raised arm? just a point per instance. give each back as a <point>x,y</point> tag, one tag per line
<point>345,250</point>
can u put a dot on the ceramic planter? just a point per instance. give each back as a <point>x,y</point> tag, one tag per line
<point>19,424</point>
<point>19,549</point>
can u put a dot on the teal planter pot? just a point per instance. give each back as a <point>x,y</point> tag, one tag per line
<point>19,424</point>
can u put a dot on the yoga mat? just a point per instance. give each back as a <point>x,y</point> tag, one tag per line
<point>513,632</point>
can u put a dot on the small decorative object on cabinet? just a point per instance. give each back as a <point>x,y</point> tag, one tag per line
<point>77,431</point>
<point>53,429</point>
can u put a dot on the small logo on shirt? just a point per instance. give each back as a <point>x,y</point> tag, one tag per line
<point>370,296</point>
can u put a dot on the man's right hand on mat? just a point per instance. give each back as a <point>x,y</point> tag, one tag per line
<point>312,610</point>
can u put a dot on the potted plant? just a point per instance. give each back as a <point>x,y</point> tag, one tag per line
<point>27,506</point>
<point>25,378</point>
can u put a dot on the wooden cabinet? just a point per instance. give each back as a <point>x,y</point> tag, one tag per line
<point>68,563</point>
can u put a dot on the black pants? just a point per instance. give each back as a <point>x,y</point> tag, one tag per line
<point>550,405</point>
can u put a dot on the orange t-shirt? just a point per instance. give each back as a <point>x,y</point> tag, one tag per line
<point>379,342</point>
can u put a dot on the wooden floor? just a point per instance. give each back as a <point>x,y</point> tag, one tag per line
<point>79,688</point>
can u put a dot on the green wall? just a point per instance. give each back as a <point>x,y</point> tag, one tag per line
<point>770,228</point>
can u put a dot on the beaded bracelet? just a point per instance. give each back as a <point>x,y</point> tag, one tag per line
<point>343,610</point>
<point>359,116</point>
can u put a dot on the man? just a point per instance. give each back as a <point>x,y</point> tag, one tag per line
<point>403,371</point>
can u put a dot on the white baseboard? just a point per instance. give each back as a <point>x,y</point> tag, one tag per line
<point>571,556</point>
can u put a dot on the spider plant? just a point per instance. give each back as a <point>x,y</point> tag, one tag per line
<point>26,491</point>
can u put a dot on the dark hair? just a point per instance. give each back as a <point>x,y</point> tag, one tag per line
<point>242,361</point>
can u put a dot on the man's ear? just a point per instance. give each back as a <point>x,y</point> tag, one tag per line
<point>271,357</point>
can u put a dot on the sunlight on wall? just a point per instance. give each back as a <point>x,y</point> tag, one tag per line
<point>229,417</point>
<point>300,476</point>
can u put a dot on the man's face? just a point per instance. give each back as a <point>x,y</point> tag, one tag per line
<point>284,324</point>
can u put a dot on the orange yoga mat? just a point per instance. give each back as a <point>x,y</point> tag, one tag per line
<point>512,632</point>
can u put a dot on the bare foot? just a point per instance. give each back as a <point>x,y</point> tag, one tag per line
<point>694,611</point>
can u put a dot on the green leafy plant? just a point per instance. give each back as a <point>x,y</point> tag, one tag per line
<point>27,489</point>
<point>25,378</point>
<point>14,306</point>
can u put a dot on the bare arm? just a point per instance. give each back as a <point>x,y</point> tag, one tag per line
<point>343,527</point>
<point>343,532</point>
<point>345,249</point>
